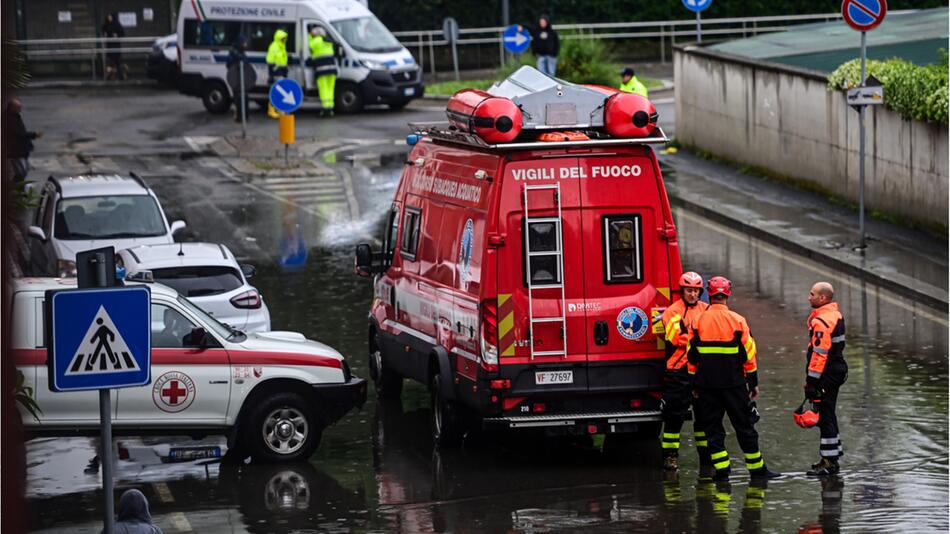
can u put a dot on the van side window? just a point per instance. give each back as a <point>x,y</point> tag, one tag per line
<point>261,34</point>
<point>623,249</point>
<point>211,33</point>
<point>543,244</point>
<point>410,232</point>
<point>391,233</point>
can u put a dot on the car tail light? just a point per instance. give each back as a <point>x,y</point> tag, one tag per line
<point>489,334</point>
<point>539,407</point>
<point>636,403</point>
<point>249,300</point>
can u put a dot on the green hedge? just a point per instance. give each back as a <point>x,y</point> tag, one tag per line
<point>581,60</point>
<point>916,92</point>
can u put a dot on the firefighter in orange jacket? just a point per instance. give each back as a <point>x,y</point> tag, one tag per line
<point>826,372</point>
<point>722,362</point>
<point>678,320</point>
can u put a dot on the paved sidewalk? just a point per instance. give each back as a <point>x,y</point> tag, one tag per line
<point>906,261</point>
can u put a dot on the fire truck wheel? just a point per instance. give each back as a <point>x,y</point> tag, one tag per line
<point>388,384</point>
<point>445,422</point>
<point>282,428</point>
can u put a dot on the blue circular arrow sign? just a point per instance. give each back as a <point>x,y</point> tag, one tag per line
<point>286,95</point>
<point>516,42</point>
<point>864,15</point>
<point>697,5</point>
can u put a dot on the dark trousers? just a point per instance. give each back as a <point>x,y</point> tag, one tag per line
<point>711,406</point>
<point>677,399</point>
<point>830,446</point>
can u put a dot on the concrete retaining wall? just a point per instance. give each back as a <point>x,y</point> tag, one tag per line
<point>784,119</point>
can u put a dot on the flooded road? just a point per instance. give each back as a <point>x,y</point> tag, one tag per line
<point>376,470</point>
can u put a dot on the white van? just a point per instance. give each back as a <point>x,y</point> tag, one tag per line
<point>374,68</point>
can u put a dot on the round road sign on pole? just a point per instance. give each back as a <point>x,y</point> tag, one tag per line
<point>697,5</point>
<point>516,41</point>
<point>450,30</point>
<point>864,15</point>
<point>286,95</point>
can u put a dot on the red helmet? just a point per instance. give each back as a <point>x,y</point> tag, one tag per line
<point>691,279</point>
<point>719,285</point>
<point>806,418</point>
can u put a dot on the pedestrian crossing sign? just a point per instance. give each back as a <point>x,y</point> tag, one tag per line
<point>99,338</point>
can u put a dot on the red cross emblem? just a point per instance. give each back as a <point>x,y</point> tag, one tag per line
<point>173,392</point>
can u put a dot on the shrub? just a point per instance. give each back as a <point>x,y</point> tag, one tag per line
<point>916,92</point>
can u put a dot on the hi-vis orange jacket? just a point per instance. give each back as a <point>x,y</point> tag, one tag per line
<point>678,321</point>
<point>721,350</point>
<point>825,340</point>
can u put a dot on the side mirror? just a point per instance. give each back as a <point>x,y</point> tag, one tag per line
<point>36,232</point>
<point>364,260</point>
<point>248,270</point>
<point>198,337</point>
<point>176,226</point>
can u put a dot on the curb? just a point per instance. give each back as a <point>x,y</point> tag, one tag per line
<point>926,294</point>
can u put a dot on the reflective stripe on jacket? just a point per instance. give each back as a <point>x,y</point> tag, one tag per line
<point>678,321</point>
<point>722,351</point>
<point>825,339</point>
<point>277,51</point>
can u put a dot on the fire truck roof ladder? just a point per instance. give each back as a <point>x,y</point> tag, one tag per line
<point>557,253</point>
<point>441,131</point>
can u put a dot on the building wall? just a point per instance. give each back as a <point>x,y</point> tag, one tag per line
<point>784,119</point>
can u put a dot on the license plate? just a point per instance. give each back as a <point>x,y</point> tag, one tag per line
<point>186,454</point>
<point>409,91</point>
<point>542,378</point>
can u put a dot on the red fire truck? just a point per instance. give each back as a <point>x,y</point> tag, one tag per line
<point>528,256</point>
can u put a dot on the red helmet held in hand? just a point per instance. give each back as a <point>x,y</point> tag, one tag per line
<point>719,285</point>
<point>806,418</point>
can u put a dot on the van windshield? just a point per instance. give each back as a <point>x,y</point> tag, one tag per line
<point>367,34</point>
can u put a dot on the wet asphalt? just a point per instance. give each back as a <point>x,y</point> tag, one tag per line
<point>376,470</point>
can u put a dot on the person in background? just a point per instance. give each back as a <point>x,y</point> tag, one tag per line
<point>630,84</point>
<point>323,62</point>
<point>18,141</point>
<point>112,29</point>
<point>276,64</point>
<point>134,517</point>
<point>236,56</point>
<point>545,45</point>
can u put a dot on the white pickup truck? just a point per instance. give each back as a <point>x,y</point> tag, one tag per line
<point>271,393</point>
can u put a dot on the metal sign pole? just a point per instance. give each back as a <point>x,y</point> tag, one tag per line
<point>98,262</point>
<point>861,148</point>
<point>243,104</point>
<point>699,28</point>
<point>455,59</point>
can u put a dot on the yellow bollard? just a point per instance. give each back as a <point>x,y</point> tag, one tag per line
<point>286,129</point>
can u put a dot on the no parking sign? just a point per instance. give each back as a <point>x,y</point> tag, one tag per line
<point>864,15</point>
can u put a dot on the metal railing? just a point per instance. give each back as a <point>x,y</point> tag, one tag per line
<point>92,49</point>
<point>424,42</point>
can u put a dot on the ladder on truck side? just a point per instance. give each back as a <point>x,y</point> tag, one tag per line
<point>559,253</point>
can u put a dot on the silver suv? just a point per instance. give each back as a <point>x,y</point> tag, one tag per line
<point>79,213</point>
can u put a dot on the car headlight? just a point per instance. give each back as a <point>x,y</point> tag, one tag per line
<point>66,268</point>
<point>374,65</point>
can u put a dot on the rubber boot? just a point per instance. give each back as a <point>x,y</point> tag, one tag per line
<point>271,111</point>
<point>763,473</point>
<point>826,467</point>
<point>670,460</point>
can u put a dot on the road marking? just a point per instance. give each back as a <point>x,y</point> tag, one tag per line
<point>180,522</point>
<point>787,256</point>
<point>163,492</point>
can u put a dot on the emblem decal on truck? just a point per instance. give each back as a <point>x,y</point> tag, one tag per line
<point>632,323</point>
<point>465,251</point>
<point>173,392</point>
